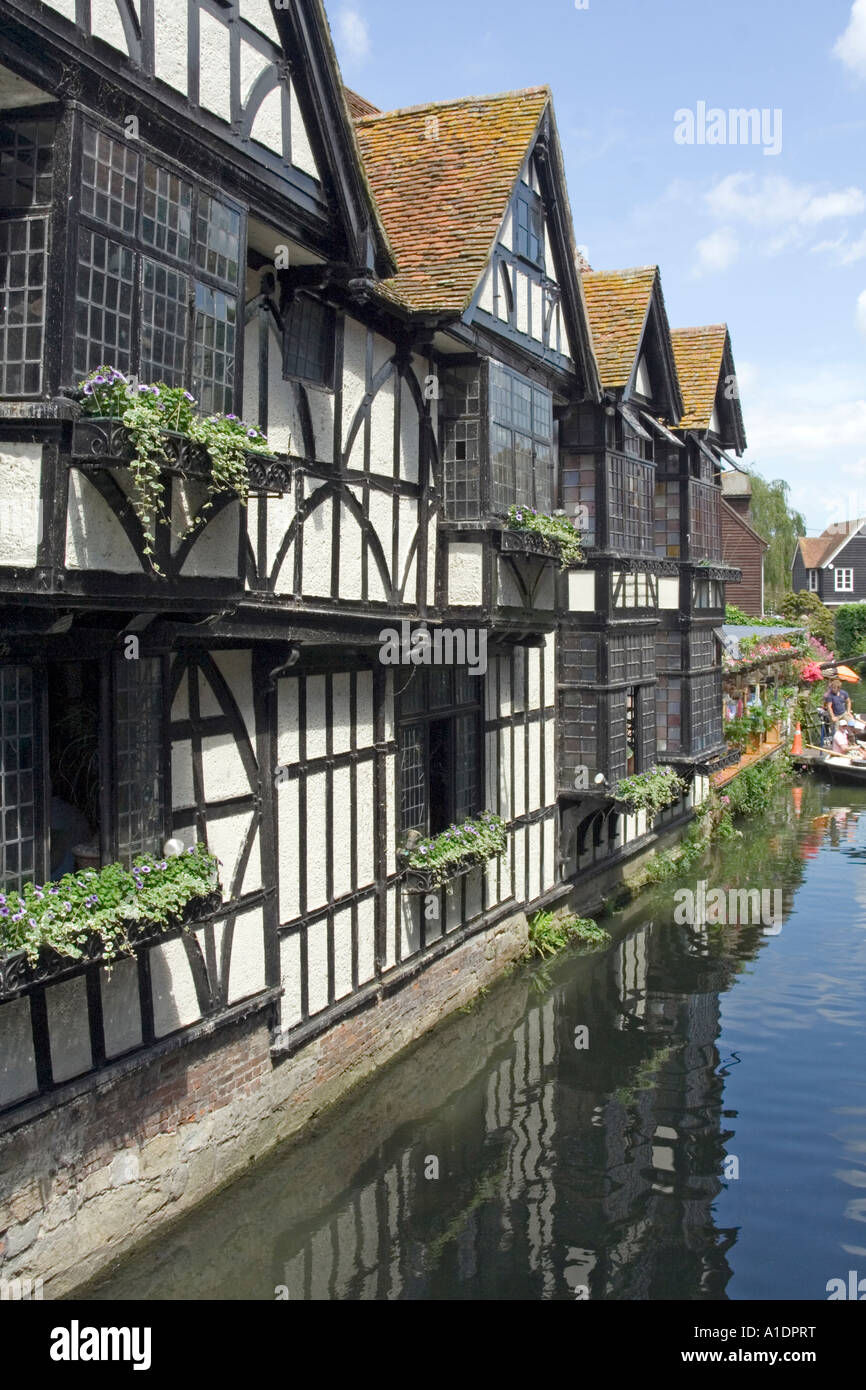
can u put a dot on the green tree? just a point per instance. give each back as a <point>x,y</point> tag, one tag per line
<point>807,608</point>
<point>778,523</point>
<point>850,629</point>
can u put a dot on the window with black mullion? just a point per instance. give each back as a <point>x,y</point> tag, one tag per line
<point>439,750</point>
<point>158,268</point>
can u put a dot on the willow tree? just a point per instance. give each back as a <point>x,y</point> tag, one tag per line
<point>778,523</point>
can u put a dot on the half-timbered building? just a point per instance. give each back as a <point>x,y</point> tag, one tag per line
<point>689,530</point>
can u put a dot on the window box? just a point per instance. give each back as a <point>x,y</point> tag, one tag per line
<point>103,442</point>
<point>17,973</point>
<point>425,881</point>
<point>528,543</point>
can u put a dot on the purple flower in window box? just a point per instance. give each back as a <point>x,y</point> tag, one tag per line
<point>4,912</point>
<point>188,397</point>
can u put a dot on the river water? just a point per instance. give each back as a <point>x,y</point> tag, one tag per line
<point>679,1116</point>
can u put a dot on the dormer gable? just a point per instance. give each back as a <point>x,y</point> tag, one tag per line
<point>711,397</point>
<point>631,339</point>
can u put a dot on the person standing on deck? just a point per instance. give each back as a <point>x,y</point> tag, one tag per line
<point>837,702</point>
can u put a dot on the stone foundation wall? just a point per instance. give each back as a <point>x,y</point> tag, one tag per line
<point>91,1177</point>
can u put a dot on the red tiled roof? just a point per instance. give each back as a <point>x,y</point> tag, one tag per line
<point>699,353</point>
<point>442,175</point>
<point>617,302</point>
<point>358,105</point>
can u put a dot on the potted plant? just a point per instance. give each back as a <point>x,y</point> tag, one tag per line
<point>156,429</point>
<point>47,930</point>
<point>737,732</point>
<point>432,861</point>
<point>756,725</point>
<point>552,535</point>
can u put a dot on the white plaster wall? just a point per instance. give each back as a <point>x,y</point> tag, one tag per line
<point>288,745</point>
<point>410,925</point>
<point>342,726</point>
<point>317,735</point>
<point>382,516</point>
<point>365,825</point>
<point>508,593</point>
<point>522,301</point>
<point>64,7</point>
<point>533,736</point>
<point>549,854</point>
<point>302,154</point>
<point>519,770</point>
<point>121,1008</point>
<point>537,299</point>
<point>224,772</point>
<point>182,789</point>
<point>533,669</point>
<point>170,43</point>
<point>317,965</point>
<point>236,668</point>
<point>320,403</point>
<point>581,591</point>
<point>351,548</point>
<point>267,124</point>
<point>226,836</point>
<point>317,546</point>
<point>519,872</point>
<point>549,664</point>
<point>410,434</point>
<point>68,1028</point>
<point>342,953</point>
<point>341,844</point>
<point>465,571</point>
<point>17,1060</point>
<point>535,860</point>
<point>214,554</point>
<point>95,540</point>
<point>669,593</point>
<point>365,709</point>
<point>354,384</point>
<point>550,759</point>
<point>247,965</point>
<point>290,978</point>
<point>390,809</point>
<point>258,13</point>
<point>366,940</point>
<point>407,521</point>
<point>20,503</point>
<point>485,300</point>
<point>382,428</point>
<point>214,66</point>
<point>289,830</point>
<point>105,24</point>
<point>253,64</point>
<point>315,837</point>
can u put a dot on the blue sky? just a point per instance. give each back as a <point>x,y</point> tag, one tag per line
<point>772,244</point>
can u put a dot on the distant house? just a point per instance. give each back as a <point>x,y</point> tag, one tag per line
<point>741,544</point>
<point>833,565</point>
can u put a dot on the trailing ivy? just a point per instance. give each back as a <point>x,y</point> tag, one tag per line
<point>650,791</point>
<point>66,914</point>
<point>552,528</point>
<point>473,842</point>
<point>146,412</point>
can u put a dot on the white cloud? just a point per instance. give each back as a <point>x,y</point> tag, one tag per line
<point>861,312</point>
<point>776,201</point>
<point>716,251</point>
<point>851,47</point>
<point>353,37</point>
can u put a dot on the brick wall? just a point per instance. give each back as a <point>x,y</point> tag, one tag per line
<point>90,1178</point>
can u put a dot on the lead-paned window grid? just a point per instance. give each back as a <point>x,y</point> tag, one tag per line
<point>630,504</point>
<point>668,705</point>
<point>705,701</point>
<point>668,653</point>
<point>530,227</point>
<point>17,777</point>
<point>461,467</point>
<point>164,319</point>
<point>109,180</point>
<point>579,710</point>
<point>308,337</point>
<point>579,495</point>
<point>521,430</point>
<point>465,767</point>
<point>703,651</point>
<point>618,714</point>
<point>667,520</point>
<point>23,267</point>
<point>26,163</point>
<point>137,306</point>
<point>105,291</point>
<point>213,365</point>
<point>646,727</point>
<point>705,539</point>
<point>413,778</point>
<point>138,717</point>
<point>166,212</point>
<point>580,657</point>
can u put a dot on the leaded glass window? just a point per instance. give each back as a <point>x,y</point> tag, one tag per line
<point>159,296</point>
<point>26,170</point>
<point>17,777</point>
<point>705,711</point>
<point>460,443</point>
<point>139,793</point>
<point>521,444</point>
<point>529,227</point>
<point>308,341</point>
<point>439,749</point>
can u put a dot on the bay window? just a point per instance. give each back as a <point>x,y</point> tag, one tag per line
<point>26,178</point>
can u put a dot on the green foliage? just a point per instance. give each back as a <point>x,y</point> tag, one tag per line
<point>552,528</point>
<point>714,822</point>
<point>851,629</point>
<point>806,608</point>
<point>650,791</point>
<point>737,732</point>
<point>774,519</point>
<point>738,618</point>
<point>750,793</point>
<point>64,915</point>
<point>146,412</point>
<point>473,842</point>
<point>550,932</point>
